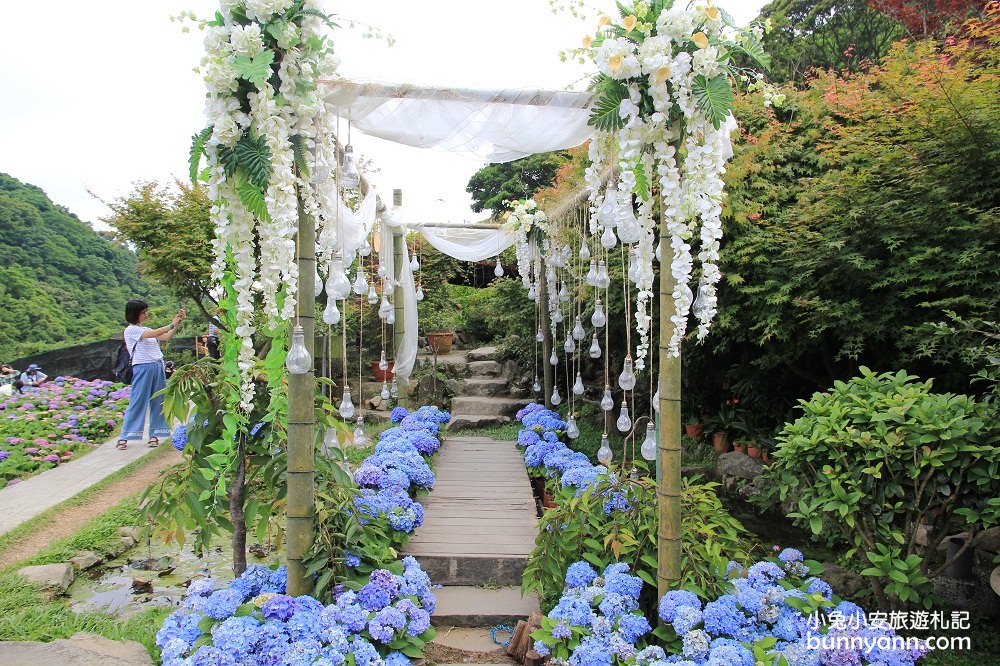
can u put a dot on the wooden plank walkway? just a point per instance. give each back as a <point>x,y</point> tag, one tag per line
<point>480,520</point>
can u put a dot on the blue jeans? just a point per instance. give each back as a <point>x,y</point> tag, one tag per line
<point>147,379</point>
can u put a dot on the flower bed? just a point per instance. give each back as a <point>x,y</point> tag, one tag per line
<point>42,428</point>
<point>253,621</point>
<point>773,612</point>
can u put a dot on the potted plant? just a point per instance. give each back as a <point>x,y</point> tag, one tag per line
<point>722,423</point>
<point>693,427</point>
<point>438,325</point>
<point>745,424</point>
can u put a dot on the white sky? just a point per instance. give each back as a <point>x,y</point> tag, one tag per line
<point>98,95</point>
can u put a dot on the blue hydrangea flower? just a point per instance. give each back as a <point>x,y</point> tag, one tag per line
<point>279,607</point>
<point>179,438</point>
<point>674,600</point>
<point>398,414</point>
<point>580,574</point>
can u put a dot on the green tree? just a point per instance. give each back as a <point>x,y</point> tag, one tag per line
<point>494,184</point>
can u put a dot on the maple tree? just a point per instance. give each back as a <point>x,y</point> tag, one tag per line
<point>924,18</point>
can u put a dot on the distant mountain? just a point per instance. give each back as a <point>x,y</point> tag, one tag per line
<point>61,282</point>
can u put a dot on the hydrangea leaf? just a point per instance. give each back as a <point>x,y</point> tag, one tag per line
<point>714,96</point>
<point>256,70</point>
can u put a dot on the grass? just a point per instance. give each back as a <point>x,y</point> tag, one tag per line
<point>38,522</point>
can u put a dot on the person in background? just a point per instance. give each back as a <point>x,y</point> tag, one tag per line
<point>33,377</point>
<point>212,340</point>
<point>148,375</point>
<point>9,380</point>
<point>168,369</point>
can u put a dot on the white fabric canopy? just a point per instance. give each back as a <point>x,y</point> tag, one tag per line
<point>492,125</point>
<point>468,244</point>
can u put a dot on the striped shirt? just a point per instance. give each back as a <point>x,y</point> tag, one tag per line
<point>148,349</point>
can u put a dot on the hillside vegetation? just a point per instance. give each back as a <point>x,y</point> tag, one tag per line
<point>61,283</point>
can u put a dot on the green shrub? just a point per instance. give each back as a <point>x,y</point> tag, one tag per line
<point>876,457</point>
<point>580,528</point>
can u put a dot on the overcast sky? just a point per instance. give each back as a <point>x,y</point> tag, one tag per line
<point>98,95</point>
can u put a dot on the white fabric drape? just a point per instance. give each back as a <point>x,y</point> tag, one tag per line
<point>468,244</point>
<point>492,125</point>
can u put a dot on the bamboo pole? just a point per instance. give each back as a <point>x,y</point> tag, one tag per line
<point>399,328</point>
<point>548,372</point>
<point>668,481</point>
<point>301,417</point>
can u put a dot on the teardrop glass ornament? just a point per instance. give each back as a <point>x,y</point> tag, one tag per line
<point>557,315</point>
<point>563,293</point>
<point>298,360</point>
<point>592,274</point>
<point>350,177</point>
<point>578,387</point>
<point>700,304</point>
<point>598,320</point>
<point>553,357</point>
<point>570,345</point>
<point>360,283</point>
<point>346,407</point>
<point>607,213</point>
<point>584,251</point>
<point>556,398</point>
<point>536,386</point>
<point>572,429</point>
<point>384,308</point>
<point>384,393</point>
<point>649,445</point>
<point>578,332</point>
<point>390,318</point>
<point>626,380</point>
<point>498,270</point>
<point>602,281</point>
<point>372,296</point>
<point>595,347</point>
<point>337,284</point>
<point>607,402</point>
<point>538,335</point>
<point>414,264</point>
<point>608,238</point>
<point>604,454</point>
<point>331,314</point>
<point>624,422</point>
<point>420,293</point>
<point>383,364</point>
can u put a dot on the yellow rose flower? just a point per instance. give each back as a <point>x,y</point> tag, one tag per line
<point>712,13</point>
<point>661,75</point>
<point>629,23</point>
<point>700,39</point>
<point>587,41</point>
<point>615,63</point>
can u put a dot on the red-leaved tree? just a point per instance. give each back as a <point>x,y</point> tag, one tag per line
<point>924,18</point>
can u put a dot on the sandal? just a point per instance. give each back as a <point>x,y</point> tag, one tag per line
<point>153,442</point>
<point>122,444</point>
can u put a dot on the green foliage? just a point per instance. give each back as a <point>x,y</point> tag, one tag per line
<point>608,95</point>
<point>875,458</point>
<point>714,97</point>
<point>256,69</point>
<point>578,528</point>
<point>60,282</point>
<point>494,184</point>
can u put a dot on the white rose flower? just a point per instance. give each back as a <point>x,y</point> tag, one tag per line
<point>247,40</point>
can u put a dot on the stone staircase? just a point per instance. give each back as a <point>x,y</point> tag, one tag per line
<point>486,399</point>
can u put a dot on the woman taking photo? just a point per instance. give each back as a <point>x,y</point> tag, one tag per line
<point>147,374</point>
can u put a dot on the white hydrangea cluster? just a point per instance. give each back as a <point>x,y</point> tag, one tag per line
<point>522,219</point>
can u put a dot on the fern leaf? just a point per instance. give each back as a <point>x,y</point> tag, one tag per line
<point>254,157</point>
<point>256,70</point>
<point>299,153</point>
<point>252,197</point>
<point>714,96</point>
<point>754,49</point>
<point>607,100</point>
<point>227,158</point>
<point>641,182</point>
<point>197,150</point>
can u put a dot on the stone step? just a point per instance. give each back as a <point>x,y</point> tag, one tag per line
<point>82,649</point>
<point>492,406</point>
<point>468,570</point>
<point>485,387</point>
<point>474,421</point>
<point>485,368</point>
<point>482,354</point>
<point>464,606</point>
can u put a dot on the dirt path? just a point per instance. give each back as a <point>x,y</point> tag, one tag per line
<point>69,520</point>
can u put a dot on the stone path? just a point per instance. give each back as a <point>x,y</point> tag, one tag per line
<point>486,398</point>
<point>480,524</point>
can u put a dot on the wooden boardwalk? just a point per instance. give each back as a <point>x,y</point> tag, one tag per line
<point>480,520</point>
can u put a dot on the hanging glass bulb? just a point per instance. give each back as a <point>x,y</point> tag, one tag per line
<point>350,177</point>
<point>372,296</point>
<point>700,304</point>
<point>624,421</point>
<point>595,348</point>
<point>604,453</point>
<point>360,438</point>
<point>318,283</point>
<point>598,319</point>
<point>498,270</point>
<point>656,398</point>
<point>633,266</point>
<point>420,293</point>
<point>578,332</point>
<point>394,388</point>
<point>659,251</point>
<point>383,364</point>
<point>346,407</point>
<point>360,283</point>
<point>607,214</point>
<point>607,402</point>
<point>602,281</point>
<point>365,249</point>
<point>556,398</point>
<point>532,294</point>
<point>536,386</point>
<point>570,345</point>
<point>337,284</point>
<point>390,318</point>
<point>298,361</point>
<point>330,442</point>
<point>538,336</point>
<point>563,292</point>
<point>584,251</point>
<point>331,314</point>
<point>553,357</point>
<point>572,429</point>
<point>626,380</point>
<point>384,308</point>
<point>578,385</point>
<point>592,274</point>
<point>629,230</point>
<point>608,238</point>
<point>649,445</point>
<point>384,393</point>
<point>382,271</point>
<point>557,315</point>
<point>414,264</point>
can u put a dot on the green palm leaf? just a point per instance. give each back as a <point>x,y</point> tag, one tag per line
<point>197,150</point>
<point>714,96</point>
<point>299,152</point>
<point>256,70</point>
<point>604,116</point>
<point>754,49</point>
<point>227,158</point>
<point>254,157</point>
<point>251,196</point>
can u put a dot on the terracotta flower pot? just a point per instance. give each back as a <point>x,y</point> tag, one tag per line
<point>740,447</point>
<point>753,452</point>
<point>719,442</point>
<point>382,375</point>
<point>693,430</point>
<point>765,456</point>
<point>440,341</point>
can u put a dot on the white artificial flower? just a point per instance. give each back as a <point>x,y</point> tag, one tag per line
<point>617,59</point>
<point>706,61</point>
<point>217,40</point>
<point>655,52</point>
<point>225,131</point>
<point>263,10</point>
<point>677,24</point>
<point>220,77</point>
<point>247,40</point>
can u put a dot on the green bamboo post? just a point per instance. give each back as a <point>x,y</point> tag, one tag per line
<point>668,481</point>
<point>399,328</point>
<point>301,418</point>
<point>548,372</point>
